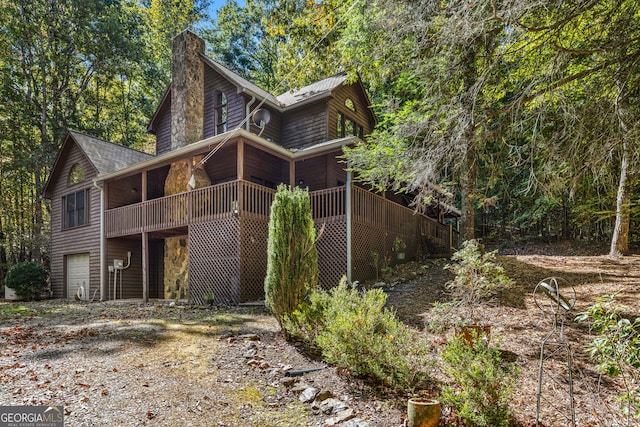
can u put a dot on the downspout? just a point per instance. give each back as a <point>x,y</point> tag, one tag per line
<point>348,213</point>
<point>248,113</point>
<point>103,253</point>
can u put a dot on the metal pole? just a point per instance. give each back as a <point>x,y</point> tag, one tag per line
<point>349,231</point>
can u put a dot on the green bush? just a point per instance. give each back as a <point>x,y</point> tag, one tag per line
<point>292,258</point>
<point>357,332</point>
<point>477,278</point>
<point>28,279</point>
<point>616,349</point>
<point>481,382</point>
<point>307,321</point>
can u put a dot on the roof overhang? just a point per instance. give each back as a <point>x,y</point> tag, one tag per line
<point>206,145</point>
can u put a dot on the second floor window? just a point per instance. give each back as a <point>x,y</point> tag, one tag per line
<point>348,127</point>
<point>221,113</point>
<point>75,209</point>
<point>76,174</point>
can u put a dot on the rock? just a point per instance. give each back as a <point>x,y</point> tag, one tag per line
<point>308,395</point>
<point>250,344</point>
<point>323,395</point>
<point>378,285</point>
<point>341,416</point>
<point>272,371</point>
<point>332,406</point>
<point>250,353</point>
<point>355,422</point>
<point>300,387</point>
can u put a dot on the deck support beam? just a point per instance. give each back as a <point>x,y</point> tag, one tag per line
<point>349,225</point>
<point>145,266</point>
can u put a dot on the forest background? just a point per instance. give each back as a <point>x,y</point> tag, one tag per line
<point>523,113</point>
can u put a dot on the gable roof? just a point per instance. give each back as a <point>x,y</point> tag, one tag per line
<point>241,83</point>
<point>105,156</point>
<point>282,102</point>
<point>318,89</point>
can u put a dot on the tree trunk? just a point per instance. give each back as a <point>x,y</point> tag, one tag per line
<point>620,239</point>
<point>469,166</point>
<point>468,181</point>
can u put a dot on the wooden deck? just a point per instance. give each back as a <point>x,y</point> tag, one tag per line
<point>242,198</point>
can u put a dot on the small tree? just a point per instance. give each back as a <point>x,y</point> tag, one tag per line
<point>477,277</point>
<point>28,279</point>
<point>482,383</point>
<point>292,265</point>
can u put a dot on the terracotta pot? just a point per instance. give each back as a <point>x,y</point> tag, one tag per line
<point>423,413</point>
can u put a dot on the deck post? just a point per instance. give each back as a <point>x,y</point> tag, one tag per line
<point>292,173</point>
<point>145,266</point>
<point>103,251</point>
<point>348,212</point>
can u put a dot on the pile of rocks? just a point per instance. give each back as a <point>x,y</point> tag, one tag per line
<point>323,402</point>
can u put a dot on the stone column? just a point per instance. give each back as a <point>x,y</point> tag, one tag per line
<point>187,127</point>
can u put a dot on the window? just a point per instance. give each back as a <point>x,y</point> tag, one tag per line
<point>347,127</point>
<point>76,174</point>
<point>350,105</point>
<point>340,125</point>
<point>221,113</point>
<point>75,209</point>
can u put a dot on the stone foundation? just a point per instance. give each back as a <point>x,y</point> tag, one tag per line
<point>176,274</point>
<point>176,249</point>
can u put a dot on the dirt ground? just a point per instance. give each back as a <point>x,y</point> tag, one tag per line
<point>161,364</point>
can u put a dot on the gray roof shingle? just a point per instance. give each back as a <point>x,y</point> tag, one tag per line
<point>320,88</point>
<point>106,156</point>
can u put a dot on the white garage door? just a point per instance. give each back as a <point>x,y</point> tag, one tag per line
<point>78,276</point>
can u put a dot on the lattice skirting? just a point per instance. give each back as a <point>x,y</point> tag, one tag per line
<point>228,257</point>
<point>332,253</point>
<point>254,233</point>
<point>214,261</point>
<point>372,250</point>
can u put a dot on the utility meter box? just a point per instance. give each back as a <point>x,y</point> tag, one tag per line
<point>118,264</point>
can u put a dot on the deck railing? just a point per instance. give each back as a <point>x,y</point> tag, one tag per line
<point>242,198</point>
<point>196,206</point>
<point>329,204</point>
<point>371,209</point>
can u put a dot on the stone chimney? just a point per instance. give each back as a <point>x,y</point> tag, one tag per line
<point>187,121</point>
<point>187,90</point>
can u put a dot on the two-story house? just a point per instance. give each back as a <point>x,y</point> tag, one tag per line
<point>193,218</point>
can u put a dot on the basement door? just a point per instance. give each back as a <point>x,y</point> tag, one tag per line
<point>78,276</point>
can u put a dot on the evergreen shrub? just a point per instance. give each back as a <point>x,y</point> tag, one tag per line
<point>28,279</point>
<point>292,258</point>
<point>482,382</point>
<point>356,332</point>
